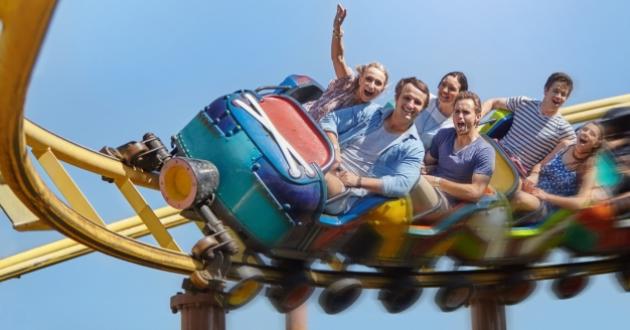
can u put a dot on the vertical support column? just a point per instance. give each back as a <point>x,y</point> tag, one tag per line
<point>486,311</point>
<point>200,310</point>
<point>297,318</point>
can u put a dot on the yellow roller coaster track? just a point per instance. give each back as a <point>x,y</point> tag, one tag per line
<point>24,26</point>
<point>32,205</point>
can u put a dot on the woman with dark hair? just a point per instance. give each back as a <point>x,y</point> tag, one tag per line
<point>347,89</point>
<point>438,113</point>
<point>566,177</point>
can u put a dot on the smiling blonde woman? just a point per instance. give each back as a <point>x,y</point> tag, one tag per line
<point>347,89</point>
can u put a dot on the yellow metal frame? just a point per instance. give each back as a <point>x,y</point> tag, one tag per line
<point>21,217</point>
<point>606,103</point>
<point>66,185</point>
<point>147,215</point>
<point>24,27</point>
<point>593,110</point>
<point>66,249</point>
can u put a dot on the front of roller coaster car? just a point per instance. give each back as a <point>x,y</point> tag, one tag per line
<point>271,158</point>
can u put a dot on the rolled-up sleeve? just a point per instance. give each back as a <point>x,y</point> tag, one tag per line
<point>405,173</point>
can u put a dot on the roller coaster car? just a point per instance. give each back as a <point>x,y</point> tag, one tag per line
<point>271,159</point>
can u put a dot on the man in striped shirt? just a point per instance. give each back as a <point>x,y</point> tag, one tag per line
<point>538,127</point>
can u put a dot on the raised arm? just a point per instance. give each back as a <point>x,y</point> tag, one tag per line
<point>336,47</point>
<point>496,103</point>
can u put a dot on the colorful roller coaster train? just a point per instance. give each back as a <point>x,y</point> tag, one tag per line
<point>254,161</point>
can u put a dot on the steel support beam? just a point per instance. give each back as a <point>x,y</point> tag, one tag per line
<point>200,310</point>
<point>486,311</point>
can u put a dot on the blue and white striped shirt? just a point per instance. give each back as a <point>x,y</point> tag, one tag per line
<point>533,135</point>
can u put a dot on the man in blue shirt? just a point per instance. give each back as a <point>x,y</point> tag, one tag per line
<point>377,149</point>
<point>461,162</point>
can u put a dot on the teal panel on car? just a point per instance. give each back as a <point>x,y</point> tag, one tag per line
<point>243,194</point>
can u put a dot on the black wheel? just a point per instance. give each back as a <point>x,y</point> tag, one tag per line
<point>246,289</point>
<point>569,286</point>
<point>454,296</point>
<point>399,298</point>
<point>340,295</point>
<point>516,291</point>
<point>623,278</point>
<point>288,298</point>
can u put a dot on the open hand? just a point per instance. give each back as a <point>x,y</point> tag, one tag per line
<point>339,17</point>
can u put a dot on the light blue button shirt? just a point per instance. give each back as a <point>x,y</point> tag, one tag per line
<point>399,163</point>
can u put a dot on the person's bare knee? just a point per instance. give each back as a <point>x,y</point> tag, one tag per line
<point>423,195</point>
<point>523,201</point>
<point>334,186</point>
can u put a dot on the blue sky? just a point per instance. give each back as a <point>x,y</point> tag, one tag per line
<point>111,70</point>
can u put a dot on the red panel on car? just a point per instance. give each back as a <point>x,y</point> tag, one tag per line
<point>298,129</point>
